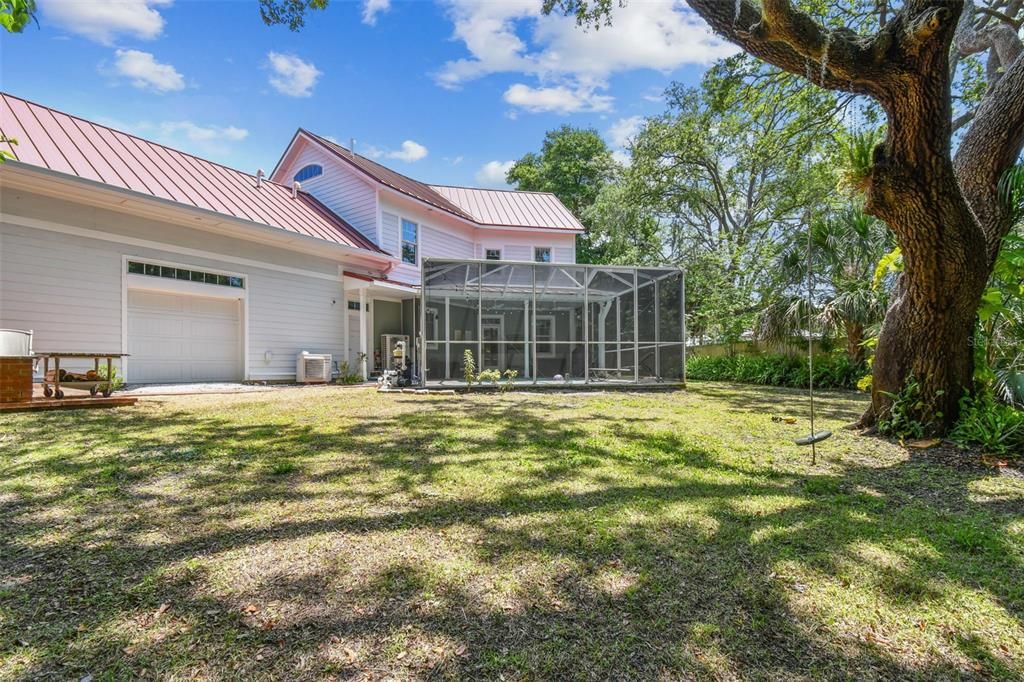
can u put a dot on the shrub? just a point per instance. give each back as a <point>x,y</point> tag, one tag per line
<point>994,426</point>
<point>346,376</point>
<point>491,376</point>
<point>834,370</point>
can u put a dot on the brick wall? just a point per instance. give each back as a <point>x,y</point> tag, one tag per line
<point>15,380</point>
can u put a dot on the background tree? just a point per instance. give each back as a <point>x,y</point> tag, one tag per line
<point>574,164</point>
<point>944,210</point>
<point>724,174</point>
<point>846,248</point>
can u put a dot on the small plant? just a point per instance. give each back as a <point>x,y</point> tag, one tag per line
<point>902,417</point>
<point>491,376</point>
<point>282,467</point>
<point>858,152</point>
<point>510,380</point>
<point>864,383</point>
<point>984,422</point>
<point>346,376</point>
<point>116,380</point>
<point>468,368</point>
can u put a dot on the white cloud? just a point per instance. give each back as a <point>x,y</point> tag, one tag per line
<point>624,130</point>
<point>559,99</point>
<point>200,133</point>
<point>103,20</point>
<point>492,173</point>
<point>292,76</point>
<point>514,36</point>
<point>146,72</point>
<point>654,95</point>
<point>410,152</point>
<point>371,8</point>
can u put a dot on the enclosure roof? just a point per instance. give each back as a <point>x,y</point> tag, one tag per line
<point>485,207</point>
<point>59,142</point>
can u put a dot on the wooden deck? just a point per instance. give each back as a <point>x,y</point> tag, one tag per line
<point>73,400</point>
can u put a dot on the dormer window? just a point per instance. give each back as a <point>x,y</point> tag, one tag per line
<point>307,172</point>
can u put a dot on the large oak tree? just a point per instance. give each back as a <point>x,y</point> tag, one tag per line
<point>942,207</point>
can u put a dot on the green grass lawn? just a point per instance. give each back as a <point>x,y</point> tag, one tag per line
<point>325,532</point>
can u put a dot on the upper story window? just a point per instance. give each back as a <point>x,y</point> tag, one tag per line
<point>542,254</point>
<point>492,254</point>
<point>410,241</point>
<point>307,172</point>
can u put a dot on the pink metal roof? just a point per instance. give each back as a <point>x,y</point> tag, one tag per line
<point>506,208</point>
<point>73,146</point>
<point>498,208</point>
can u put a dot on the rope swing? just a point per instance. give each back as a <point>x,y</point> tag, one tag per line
<point>812,438</point>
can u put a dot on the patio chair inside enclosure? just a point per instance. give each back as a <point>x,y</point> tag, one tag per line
<point>554,323</point>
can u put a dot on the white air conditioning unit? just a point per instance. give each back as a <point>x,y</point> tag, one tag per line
<point>313,369</point>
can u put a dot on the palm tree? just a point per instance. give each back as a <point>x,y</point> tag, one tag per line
<point>846,248</point>
<point>1001,315</point>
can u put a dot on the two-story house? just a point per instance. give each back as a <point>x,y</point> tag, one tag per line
<point>113,243</point>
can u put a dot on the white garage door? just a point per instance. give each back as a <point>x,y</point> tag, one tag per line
<point>174,338</point>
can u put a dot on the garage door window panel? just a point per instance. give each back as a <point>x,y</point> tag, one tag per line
<point>198,276</point>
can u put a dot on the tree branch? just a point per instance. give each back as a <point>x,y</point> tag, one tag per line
<point>836,59</point>
<point>998,37</point>
<point>990,146</point>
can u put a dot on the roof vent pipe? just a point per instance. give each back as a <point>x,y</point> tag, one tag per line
<point>351,146</point>
<point>259,178</point>
<point>296,186</point>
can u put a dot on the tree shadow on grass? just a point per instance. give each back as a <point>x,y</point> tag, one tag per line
<point>672,563</point>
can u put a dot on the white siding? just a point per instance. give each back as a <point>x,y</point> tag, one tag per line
<point>68,288</point>
<point>563,254</point>
<point>443,244</point>
<point>339,188</point>
<point>390,224</point>
<point>517,252</point>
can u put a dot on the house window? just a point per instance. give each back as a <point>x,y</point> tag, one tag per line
<point>492,254</point>
<point>353,305</point>
<point>307,172</point>
<point>410,240</point>
<point>153,270</point>
<point>544,333</point>
<point>542,254</point>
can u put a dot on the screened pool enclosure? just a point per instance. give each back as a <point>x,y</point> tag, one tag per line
<point>553,323</point>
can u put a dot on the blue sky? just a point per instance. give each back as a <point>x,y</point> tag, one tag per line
<point>447,92</point>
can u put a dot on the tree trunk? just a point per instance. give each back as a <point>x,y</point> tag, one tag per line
<point>854,339</point>
<point>926,337</point>
<point>925,340</point>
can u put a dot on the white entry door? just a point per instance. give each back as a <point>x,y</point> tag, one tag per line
<point>177,338</point>
<point>353,343</point>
